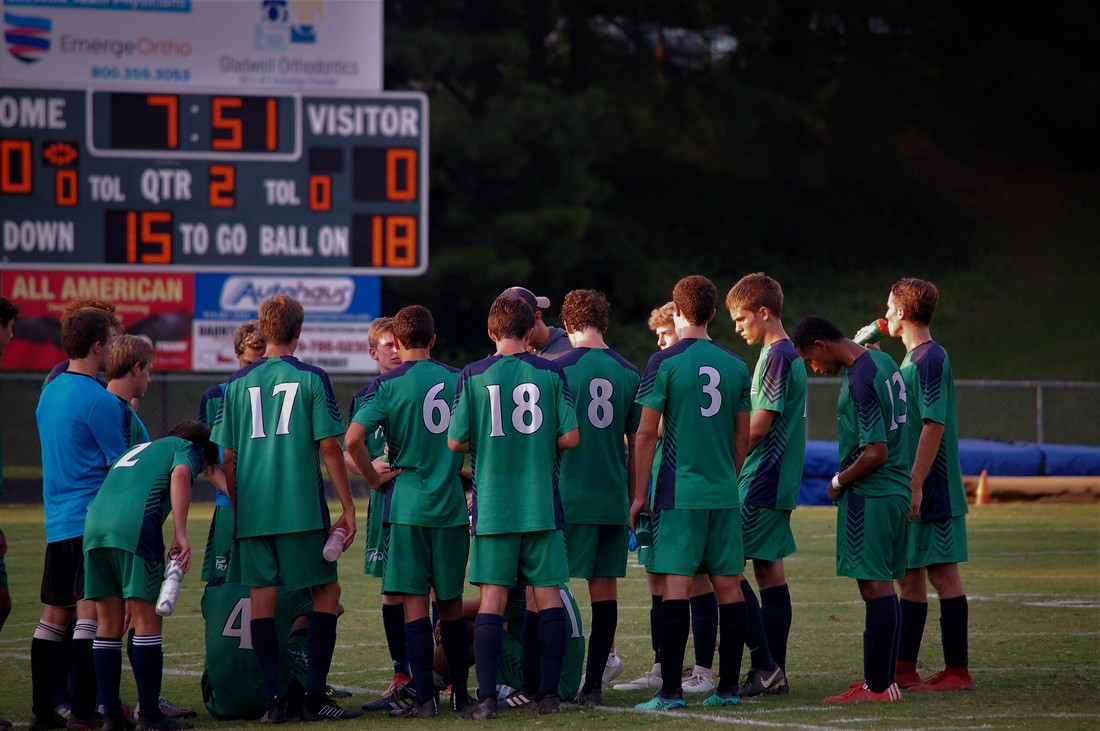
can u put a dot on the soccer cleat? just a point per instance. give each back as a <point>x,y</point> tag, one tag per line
<point>168,708</point>
<point>400,680</point>
<point>761,682</point>
<point>613,668</point>
<point>906,675</point>
<point>590,697</point>
<point>320,708</point>
<point>164,723</point>
<point>427,709</point>
<point>5,723</point>
<point>660,703</point>
<point>275,712</point>
<point>701,680</point>
<point>482,709</point>
<point>116,722</point>
<point>75,723</point>
<point>947,680</point>
<point>46,723</point>
<point>337,692</point>
<point>717,700</point>
<point>517,699</point>
<point>549,704</point>
<point>863,694</point>
<point>403,697</point>
<point>649,680</point>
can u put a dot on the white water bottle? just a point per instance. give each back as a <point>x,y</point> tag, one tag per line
<point>170,588</point>
<point>334,546</point>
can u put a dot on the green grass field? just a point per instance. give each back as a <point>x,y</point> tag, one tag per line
<point>1033,582</point>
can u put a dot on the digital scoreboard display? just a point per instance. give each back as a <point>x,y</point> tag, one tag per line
<point>213,181</point>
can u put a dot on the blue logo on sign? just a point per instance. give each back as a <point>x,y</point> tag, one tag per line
<point>28,38</point>
<point>283,22</point>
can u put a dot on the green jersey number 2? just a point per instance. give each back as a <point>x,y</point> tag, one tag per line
<point>289,393</point>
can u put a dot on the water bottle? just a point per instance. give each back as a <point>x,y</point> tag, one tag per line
<point>170,589</point>
<point>334,546</point>
<point>873,332</point>
<point>643,530</point>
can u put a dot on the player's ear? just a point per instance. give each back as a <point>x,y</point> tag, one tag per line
<point>431,342</point>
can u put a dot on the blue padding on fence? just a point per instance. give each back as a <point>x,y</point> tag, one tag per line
<point>1071,460</point>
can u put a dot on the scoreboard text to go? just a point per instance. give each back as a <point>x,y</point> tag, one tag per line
<point>213,181</point>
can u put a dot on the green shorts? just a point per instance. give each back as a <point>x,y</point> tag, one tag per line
<point>596,550</point>
<point>426,559</point>
<point>375,554</point>
<point>219,544</point>
<point>871,536</point>
<point>688,542</point>
<point>115,572</point>
<point>530,559</point>
<point>510,668</point>
<point>766,533</point>
<point>3,574</point>
<point>294,557</point>
<point>938,541</point>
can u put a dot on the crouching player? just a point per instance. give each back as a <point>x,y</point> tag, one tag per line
<point>124,560</point>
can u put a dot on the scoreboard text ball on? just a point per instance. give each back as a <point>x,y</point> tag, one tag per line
<point>196,181</point>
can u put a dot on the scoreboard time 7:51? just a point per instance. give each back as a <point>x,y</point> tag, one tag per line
<point>213,181</point>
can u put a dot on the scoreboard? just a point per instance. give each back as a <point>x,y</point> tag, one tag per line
<point>193,180</point>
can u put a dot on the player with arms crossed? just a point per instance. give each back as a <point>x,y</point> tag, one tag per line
<point>937,534</point>
<point>425,506</point>
<point>513,412</point>
<point>701,391</point>
<point>124,561</point>
<point>278,421</point>
<point>771,476</point>
<point>872,490</point>
<point>596,482</point>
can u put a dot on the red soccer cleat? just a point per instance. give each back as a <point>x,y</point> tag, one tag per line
<point>952,679</point>
<point>863,694</point>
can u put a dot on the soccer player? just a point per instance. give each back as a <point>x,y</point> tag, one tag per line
<point>872,490</point>
<point>77,304</point>
<point>82,429</point>
<point>771,476</point>
<point>701,391</point>
<point>128,373</point>
<point>425,508</point>
<point>383,349</point>
<point>9,311</point>
<point>937,533</point>
<point>596,482</point>
<point>546,341</point>
<point>513,412</point>
<point>278,421</point>
<point>124,561</point>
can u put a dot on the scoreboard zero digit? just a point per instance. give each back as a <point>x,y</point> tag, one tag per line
<point>214,181</point>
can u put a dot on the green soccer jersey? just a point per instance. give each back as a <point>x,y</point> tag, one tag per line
<point>930,387</point>
<point>872,409</point>
<point>232,686</point>
<point>698,386</point>
<point>136,433</point>
<point>511,409</point>
<point>130,508</point>
<point>410,404</point>
<point>593,474</point>
<point>772,472</point>
<point>274,413</point>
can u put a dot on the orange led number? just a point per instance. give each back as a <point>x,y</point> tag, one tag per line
<point>171,105</point>
<point>221,192</point>
<point>231,125</point>
<point>320,193</point>
<point>161,240</point>
<point>65,190</point>
<point>15,155</point>
<point>393,241</point>
<point>407,158</point>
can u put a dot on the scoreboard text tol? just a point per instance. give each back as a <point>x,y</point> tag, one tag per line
<point>211,181</point>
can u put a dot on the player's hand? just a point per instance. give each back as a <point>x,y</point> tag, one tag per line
<point>833,493</point>
<point>914,507</point>
<point>385,471</point>
<point>640,505</point>
<point>180,545</point>
<point>347,522</point>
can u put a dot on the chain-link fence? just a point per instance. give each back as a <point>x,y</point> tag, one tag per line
<point>1025,411</point>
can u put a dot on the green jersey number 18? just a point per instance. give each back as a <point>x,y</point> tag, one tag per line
<point>526,398</point>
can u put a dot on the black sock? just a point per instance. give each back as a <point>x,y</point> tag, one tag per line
<point>532,661</point>
<point>755,638</point>
<point>552,639</point>
<point>605,617</point>
<point>265,644</point>
<point>655,627</point>
<point>420,646</point>
<point>320,643</point>
<point>704,628</point>
<point>393,623</point>
<point>913,618</point>
<point>675,618</point>
<point>488,639</point>
<point>148,666</point>
<point>775,612</point>
<point>731,618</point>
<point>85,690</point>
<point>878,642</point>
<point>46,649</point>
<point>63,693</point>
<point>107,652</point>
<point>456,649</point>
<point>954,621</point>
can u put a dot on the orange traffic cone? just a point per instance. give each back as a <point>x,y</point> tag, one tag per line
<point>981,497</point>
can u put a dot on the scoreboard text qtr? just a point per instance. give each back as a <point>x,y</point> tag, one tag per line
<point>214,181</point>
